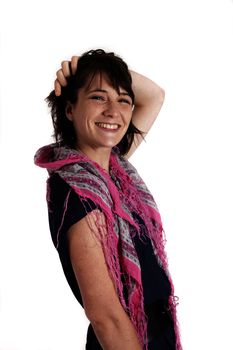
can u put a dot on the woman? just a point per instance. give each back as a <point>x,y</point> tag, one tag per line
<point>103,220</point>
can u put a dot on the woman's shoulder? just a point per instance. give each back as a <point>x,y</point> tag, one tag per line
<point>65,207</point>
<point>56,185</point>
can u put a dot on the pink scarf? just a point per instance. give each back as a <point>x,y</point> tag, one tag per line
<point>118,194</point>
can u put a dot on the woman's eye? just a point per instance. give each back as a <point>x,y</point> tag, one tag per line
<point>123,100</point>
<point>98,98</point>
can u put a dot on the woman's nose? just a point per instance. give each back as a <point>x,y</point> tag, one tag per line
<point>111,109</point>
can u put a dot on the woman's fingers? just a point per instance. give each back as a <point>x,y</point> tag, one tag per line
<point>57,88</point>
<point>65,66</point>
<point>64,73</point>
<point>61,78</point>
<point>74,64</point>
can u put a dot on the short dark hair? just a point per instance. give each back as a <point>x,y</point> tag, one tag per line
<point>90,64</point>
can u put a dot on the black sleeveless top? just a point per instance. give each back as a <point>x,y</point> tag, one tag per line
<point>156,286</point>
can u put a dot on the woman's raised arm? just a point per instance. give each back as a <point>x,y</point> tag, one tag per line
<point>149,98</point>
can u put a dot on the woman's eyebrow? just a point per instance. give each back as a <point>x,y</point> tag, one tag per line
<point>124,93</point>
<point>97,90</point>
<point>105,91</point>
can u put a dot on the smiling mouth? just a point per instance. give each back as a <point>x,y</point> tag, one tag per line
<point>108,126</point>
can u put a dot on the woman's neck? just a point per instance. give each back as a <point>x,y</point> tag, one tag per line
<point>99,155</point>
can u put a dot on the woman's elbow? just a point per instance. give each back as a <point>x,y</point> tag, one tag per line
<point>161,95</point>
<point>103,317</point>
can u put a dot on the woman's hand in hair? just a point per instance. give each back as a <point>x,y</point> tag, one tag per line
<point>67,68</point>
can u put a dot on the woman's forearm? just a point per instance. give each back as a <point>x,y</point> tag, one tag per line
<point>145,89</point>
<point>149,99</point>
<point>117,334</point>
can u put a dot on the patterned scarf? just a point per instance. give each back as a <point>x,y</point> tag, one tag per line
<point>118,194</point>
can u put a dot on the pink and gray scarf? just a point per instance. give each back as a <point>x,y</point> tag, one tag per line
<point>118,194</point>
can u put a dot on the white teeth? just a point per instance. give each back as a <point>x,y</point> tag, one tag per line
<point>108,126</point>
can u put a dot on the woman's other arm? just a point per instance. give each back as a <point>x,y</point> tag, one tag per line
<point>111,324</point>
<point>149,98</point>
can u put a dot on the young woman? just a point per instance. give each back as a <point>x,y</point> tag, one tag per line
<point>103,220</point>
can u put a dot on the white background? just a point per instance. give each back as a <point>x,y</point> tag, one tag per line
<point>186,47</point>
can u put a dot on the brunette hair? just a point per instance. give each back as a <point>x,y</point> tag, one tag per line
<point>90,64</point>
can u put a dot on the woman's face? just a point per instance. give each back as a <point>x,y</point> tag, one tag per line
<point>101,116</point>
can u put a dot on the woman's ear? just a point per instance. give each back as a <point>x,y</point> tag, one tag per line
<point>69,111</point>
